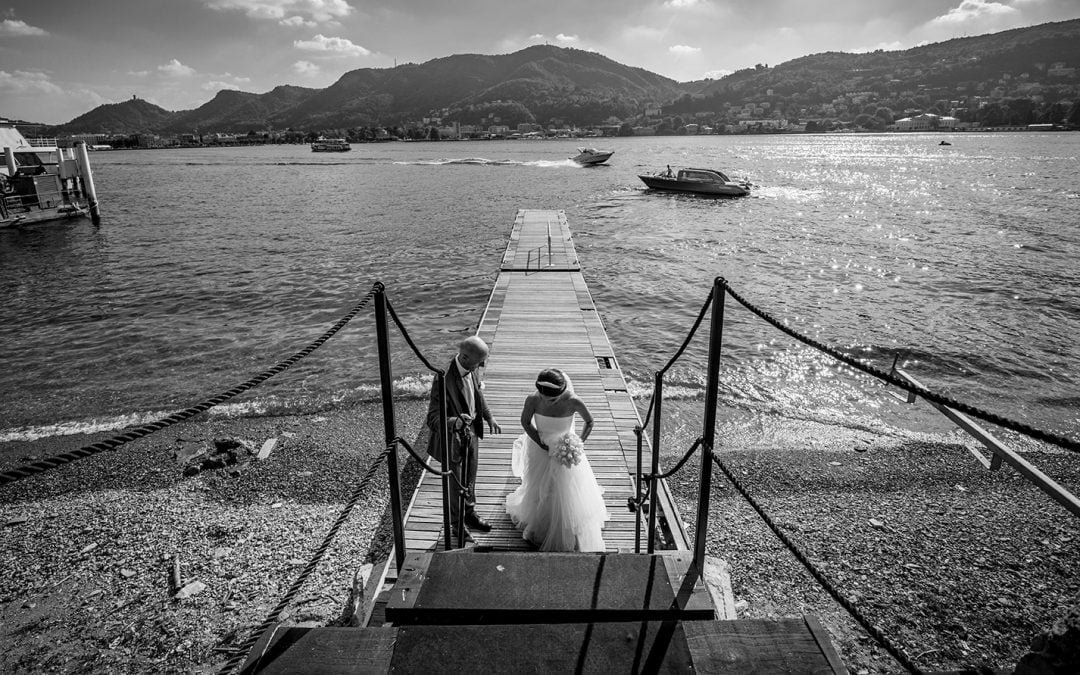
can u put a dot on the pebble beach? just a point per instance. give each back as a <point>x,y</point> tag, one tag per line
<point>959,566</point>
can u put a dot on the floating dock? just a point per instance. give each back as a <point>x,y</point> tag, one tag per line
<point>499,605</point>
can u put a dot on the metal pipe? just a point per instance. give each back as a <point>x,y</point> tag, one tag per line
<point>387,378</point>
<point>88,182</point>
<point>658,397</point>
<point>716,336</point>
<point>9,158</point>
<point>440,382</point>
<point>637,493</point>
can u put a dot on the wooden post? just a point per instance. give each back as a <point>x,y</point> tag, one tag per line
<point>389,427</point>
<point>88,182</point>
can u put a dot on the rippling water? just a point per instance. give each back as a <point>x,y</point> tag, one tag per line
<point>213,264</point>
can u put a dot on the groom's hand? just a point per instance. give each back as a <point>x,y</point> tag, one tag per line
<point>462,421</point>
<point>494,427</point>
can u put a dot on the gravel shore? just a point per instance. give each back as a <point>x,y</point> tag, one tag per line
<point>959,566</point>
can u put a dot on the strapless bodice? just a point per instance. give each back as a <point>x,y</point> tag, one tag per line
<point>552,427</point>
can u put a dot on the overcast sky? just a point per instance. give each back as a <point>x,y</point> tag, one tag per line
<point>62,58</point>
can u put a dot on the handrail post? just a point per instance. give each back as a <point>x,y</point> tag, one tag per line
<point>549,242</point>
<point>440,382</point>
<point>637,493</point>
<point>658,397</point>
<point>716,336</point>
<point>387,379</point>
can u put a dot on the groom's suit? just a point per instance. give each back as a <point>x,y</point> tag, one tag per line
<point>457,403</point>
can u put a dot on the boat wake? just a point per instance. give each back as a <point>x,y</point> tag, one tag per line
<point>480,161</point>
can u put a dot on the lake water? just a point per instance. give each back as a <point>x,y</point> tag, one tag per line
<point>211,265</point>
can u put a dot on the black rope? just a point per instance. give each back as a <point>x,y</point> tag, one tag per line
<point>1060,441</point>
<point>275,613</point>
<point>428,467</point>
<point>895,651</point>
<point>41,466</point>
<point>669,474</point>
<point>679,353</point>
<point>408,338</point>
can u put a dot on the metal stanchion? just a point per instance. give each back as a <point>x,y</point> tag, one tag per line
<point>387,378</point>
<point>716,336</point>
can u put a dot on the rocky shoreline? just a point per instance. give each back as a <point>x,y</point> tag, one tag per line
<point>959,566</point>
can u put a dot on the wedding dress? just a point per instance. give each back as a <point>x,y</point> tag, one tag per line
<point>557,508</point>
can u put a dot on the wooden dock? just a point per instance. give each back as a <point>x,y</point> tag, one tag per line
<point>498,606</point>
<point>541,315</point>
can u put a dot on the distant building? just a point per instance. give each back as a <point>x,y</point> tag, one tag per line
<point>925,122</point>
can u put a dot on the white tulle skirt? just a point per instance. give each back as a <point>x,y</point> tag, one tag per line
<point>557,508</point>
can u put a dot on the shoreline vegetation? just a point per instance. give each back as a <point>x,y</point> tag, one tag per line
<point>959,566</point>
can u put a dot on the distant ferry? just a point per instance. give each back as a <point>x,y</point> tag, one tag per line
<point>330,145</point>
<point>41,182</point>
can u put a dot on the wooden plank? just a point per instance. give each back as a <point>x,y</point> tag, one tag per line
<point>746,646</point>
<point>324,651</point>
<point>544,588</point>
<point>757,646</point>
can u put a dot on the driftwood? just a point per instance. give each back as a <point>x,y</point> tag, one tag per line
<point>360,598</point>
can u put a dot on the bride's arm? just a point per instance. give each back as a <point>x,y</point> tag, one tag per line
<point>527,424</point>
<point>586,416</point>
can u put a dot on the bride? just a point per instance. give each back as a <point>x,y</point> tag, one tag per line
<point>559,505</point>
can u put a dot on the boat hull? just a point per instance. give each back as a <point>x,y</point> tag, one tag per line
<point>695,187</point>
<point>592,158</point>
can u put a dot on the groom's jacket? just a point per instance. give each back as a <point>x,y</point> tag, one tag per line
<point>455,405</point>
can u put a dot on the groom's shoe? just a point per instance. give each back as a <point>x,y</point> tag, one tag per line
<point>477,523</point>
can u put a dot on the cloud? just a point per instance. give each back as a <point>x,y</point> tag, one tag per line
<point>333,45</point>
<point>684,49</point>
<point>214,85</point>
<point>973,10</point>
<point>321,11</point>
<point>717,74</point>
<point>297,22</point>
<point>566,39</point>
<point>306,68</point>
<point>537,36</point>
<point>27,82</point>
<point>684,4</point>
<point>176,69</point>
<point>16,28</point>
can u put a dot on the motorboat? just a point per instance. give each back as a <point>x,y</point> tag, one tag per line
<point>42,182</point>
<point>592,156</point>
<point>697,181</point>
<point>330,145</point>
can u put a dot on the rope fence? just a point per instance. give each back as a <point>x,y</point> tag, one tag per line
<point>43,465</point>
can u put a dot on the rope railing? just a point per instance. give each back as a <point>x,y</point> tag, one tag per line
<point>993,418</point>
<point>706,443</point>
<point>679,351</point>
<point>301,579</point>
<point>48,463</point>
<point>820,577</point>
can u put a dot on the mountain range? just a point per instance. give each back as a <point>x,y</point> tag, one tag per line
<point>544,84</point>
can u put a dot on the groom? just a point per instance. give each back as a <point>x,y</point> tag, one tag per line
<point>466,412</point>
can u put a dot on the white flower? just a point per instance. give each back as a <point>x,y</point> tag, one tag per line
<point>568,450</point>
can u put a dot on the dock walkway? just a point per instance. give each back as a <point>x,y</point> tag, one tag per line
<point>541,315</point>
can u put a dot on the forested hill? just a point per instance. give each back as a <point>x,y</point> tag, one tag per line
<point>545,84</point>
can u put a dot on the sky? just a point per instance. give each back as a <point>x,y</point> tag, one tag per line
<point>62,58</point>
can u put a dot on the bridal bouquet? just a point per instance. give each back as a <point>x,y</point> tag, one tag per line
<point>568,450</point>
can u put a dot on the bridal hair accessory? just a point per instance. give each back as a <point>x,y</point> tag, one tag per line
<point>551,382</point>
<point>568,450</point>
